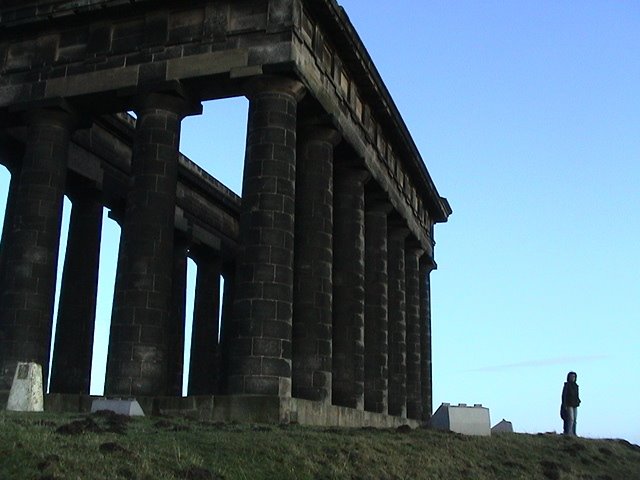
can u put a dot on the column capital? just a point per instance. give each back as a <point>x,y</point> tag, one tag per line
<point>320,133</point>
<point>116,216</point>
<point>173,98</point>
<point>414,246</point>
<point>379,205</point>
<point>350,172</point>
<point>376,199</point>
<point>427,263</point>
<point>78,188</point>
<point>11,152</point>
<point>277,84</point>
<point>201,253</point>
<point>398,230</point>
<point>61,114</point>
<point>181,240</point>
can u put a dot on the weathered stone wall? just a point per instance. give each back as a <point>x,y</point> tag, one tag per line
<point>112,52</point>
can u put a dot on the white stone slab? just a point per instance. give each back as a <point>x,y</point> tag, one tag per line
<point>462,419</point>
<point>129,407</point>
<point>26,393</point>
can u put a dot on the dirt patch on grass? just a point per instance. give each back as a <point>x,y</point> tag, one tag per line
<point>99,422</point>
<point>114,422</point>
<point>112,447</point>
<point>171,427</point>
<point>48,462</point>
<point>260,428</point>
<point>198,473</point>
<point>78,427</point>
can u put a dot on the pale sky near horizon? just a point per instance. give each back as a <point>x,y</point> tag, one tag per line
<point>527,115</point>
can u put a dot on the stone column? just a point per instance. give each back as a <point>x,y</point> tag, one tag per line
<point>397,322</point>
<point>427,265</point>
<point>176,325</point>
<point>136,363</point>
<point>73,348</point>
<point>313,257</point>
<point>262,311</point>
<point>31,254</point>
<point>204,364</point>
<point>348,288</point>
<point>376,305</point>
<point>414,339</point>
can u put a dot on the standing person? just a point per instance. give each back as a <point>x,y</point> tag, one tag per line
<point>570,403</point>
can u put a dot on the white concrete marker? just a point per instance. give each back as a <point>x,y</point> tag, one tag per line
<point>462,419</point>
<point>129,407</point>
<point>26,393</point>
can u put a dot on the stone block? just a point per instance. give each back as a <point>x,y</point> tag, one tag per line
<point>206,64</point>
<point>251,408</point>
<point>503,426</point>
<point>462,419</point>
<point>92,82</point>
<point>26,393</point>
<point>129,407</point>
<point>247,17</point>
<point>64,402</point>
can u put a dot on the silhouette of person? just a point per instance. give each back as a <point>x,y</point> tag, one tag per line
<point>570,403</point>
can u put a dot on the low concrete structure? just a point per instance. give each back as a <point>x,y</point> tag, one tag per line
<point>503,426</point>
<point>462,419</point>
<point>26,393</point>
<point>240,408</point>
<point>129,407</point>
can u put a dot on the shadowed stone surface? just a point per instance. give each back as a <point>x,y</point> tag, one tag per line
<point>137,347</point>
<point>31,254</point>
<point>397,321</point>
<point>204,361</point>
<point>376,369</point>
<point>262,309</point>
<point>73,349</point>
<point>414,340</point>
<point>348,288</point>
<point>426,266</point>
<point>177,320</point>
<point>313,286</point>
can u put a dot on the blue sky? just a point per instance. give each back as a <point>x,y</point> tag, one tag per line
<point>527,115</point>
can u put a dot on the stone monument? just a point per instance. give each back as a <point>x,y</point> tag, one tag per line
<point>308,332</point>
<point>462,419</point>
<point>26,393</point>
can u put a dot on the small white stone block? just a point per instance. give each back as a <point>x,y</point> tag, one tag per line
<point>129,407</point>
<point>26,393</point>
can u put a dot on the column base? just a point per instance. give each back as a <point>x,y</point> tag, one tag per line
<point>240,408</point>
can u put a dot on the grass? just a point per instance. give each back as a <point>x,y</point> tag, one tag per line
<point>106,446</point>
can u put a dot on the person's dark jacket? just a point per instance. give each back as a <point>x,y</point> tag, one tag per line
<point>570,395</point>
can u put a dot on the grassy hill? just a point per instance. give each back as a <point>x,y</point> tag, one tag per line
<point>107,446</point>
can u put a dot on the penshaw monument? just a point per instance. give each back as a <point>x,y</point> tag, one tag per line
<point>326,256</point>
